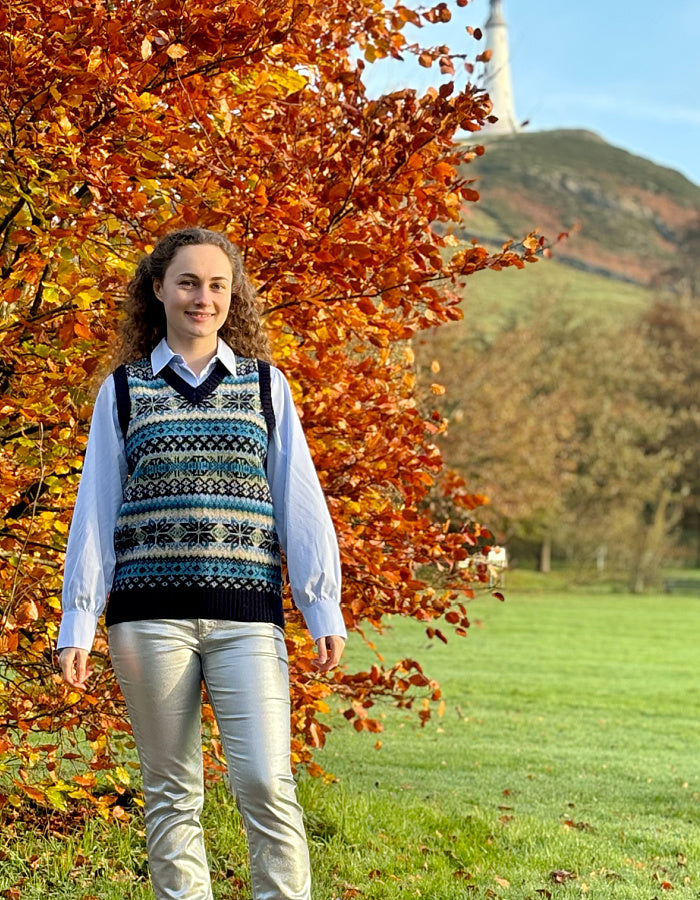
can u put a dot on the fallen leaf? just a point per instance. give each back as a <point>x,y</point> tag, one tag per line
<point>560,876</point>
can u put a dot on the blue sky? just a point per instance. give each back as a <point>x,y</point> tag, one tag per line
<point>627,69</point>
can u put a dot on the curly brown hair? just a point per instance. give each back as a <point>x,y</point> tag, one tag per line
<point>144,324</point>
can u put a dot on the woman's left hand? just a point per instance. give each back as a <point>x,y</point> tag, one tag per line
<point>329,649</point>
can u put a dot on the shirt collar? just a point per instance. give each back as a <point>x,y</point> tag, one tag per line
<point>163,356</point>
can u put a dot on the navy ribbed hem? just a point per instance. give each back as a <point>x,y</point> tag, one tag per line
<point>166,602</point>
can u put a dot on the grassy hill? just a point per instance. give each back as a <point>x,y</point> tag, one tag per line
<point>627,213</point>
<point>494,299</point>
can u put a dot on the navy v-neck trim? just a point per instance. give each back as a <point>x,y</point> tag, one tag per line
<point>195,395</point>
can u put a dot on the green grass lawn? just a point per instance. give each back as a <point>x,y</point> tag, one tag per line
<point>565,764</point>
<point>569,743</point>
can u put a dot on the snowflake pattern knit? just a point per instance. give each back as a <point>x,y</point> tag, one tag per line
<point>196,537</point>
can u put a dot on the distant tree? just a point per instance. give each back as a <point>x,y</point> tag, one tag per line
<point>552,419</point>
<point>504,424</point>
<point>620,453</point>
<point>671,330</point>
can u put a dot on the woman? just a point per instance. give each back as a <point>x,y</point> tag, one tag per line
<point>196,471</point>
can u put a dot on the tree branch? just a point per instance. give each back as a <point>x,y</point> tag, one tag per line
<point>12,214</point>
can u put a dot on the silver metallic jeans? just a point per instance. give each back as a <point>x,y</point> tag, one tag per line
<point>160,665</point>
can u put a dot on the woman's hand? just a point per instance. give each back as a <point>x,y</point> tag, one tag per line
<point>329,649</point>
<point>75,666</point>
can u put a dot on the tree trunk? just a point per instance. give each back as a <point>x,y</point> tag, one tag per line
<point>601,555</point>
<point>546,555</point>
<point>652,544</point>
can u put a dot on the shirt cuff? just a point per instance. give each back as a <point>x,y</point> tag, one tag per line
<point>77,630</point>
<point>323,618</point>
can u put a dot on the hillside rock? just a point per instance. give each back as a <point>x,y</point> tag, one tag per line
<point>625,214</point>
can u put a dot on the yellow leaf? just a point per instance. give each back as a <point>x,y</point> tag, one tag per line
<point>291,80</point>
<point>56,798</point>
<point>146,48</point>
<point>97,745</point>
<point>95,59</point>
<point>177,51</point>
<point>145,100</point>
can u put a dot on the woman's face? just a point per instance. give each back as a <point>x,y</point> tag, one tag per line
<point>196,295</point>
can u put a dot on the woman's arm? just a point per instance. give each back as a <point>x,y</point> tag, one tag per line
<point>89,566</point>
<point>305,528</point>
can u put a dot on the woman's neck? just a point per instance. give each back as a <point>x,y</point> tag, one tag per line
<point>195,355</point>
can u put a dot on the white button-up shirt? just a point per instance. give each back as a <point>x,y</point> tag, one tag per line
<point>303,523</point>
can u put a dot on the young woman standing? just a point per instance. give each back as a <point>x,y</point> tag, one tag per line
<point>196,474</point>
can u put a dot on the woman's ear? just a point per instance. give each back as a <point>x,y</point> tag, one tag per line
<point>157,287</point>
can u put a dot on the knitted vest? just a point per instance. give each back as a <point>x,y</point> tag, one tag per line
<point>196,537</point>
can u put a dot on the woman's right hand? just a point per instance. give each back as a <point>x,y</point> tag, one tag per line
<point>75,666</point>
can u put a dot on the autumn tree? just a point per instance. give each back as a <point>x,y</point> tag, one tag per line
<point>508,414</point>
<point>122,120</point>
<point>553,418</point>
<point>671,331</point>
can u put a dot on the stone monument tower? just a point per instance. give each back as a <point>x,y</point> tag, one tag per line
<point>497,82</point>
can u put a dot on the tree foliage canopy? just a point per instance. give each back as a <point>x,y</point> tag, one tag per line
<point>125,119</point>
<point>581,430</point>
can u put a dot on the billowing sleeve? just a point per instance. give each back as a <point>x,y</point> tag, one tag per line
<point>302,519</point>
<point>89,566</point>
